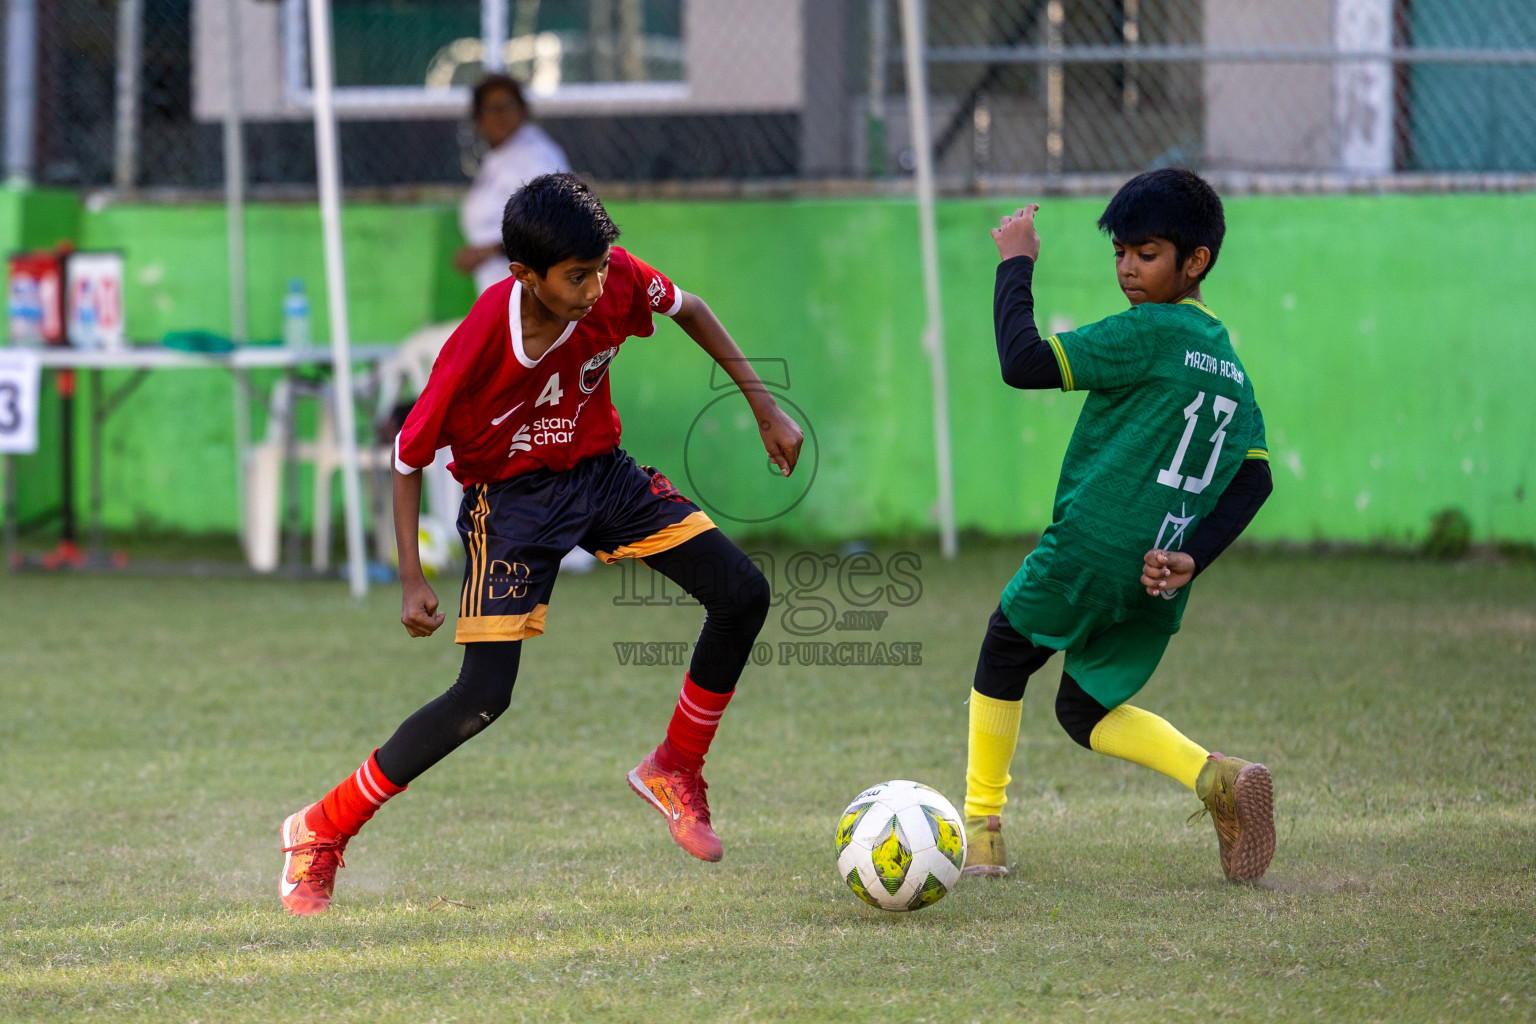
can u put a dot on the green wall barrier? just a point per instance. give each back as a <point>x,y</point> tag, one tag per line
<point>35,218</point>
<point>1389,340</point>
<point>168,453</point>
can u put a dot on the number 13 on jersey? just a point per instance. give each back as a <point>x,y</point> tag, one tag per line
<point>1223,408</point>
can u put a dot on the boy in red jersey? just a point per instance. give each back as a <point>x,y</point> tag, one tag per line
<point>520,393</point>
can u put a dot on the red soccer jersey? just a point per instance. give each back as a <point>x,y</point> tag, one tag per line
<point>505,414</point>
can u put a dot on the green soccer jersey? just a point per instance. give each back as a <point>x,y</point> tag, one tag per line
<point>1169,418</point>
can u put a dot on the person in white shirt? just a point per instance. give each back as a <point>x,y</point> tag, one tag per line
<point>520,150</point>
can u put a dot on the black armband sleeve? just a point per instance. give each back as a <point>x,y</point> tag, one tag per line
<point>1234,510</point>
<point>1026,359</point>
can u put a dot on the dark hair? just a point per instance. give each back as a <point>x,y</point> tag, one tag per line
<point>1170,203</point>
<point>488,85</point>
<point>555,217</point>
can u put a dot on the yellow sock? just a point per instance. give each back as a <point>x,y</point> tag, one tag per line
<point>994,734</point>
<point>1143,738</point>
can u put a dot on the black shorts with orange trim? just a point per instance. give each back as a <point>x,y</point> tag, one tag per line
<point>516,531</point>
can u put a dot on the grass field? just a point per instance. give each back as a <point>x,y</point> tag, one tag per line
<point>154,732</point>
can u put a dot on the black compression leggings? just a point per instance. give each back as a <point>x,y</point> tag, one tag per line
<point>1008,660</point>
<point>483,691</point>
<point>708,567</point>
<point>735,596</point>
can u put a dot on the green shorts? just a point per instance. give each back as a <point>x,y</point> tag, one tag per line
<point>1110,660</point>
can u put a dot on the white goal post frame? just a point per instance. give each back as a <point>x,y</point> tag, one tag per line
<point>913,22</point>
<point>328,171</point>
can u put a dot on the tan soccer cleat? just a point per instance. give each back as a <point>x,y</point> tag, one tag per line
<point>984,853</point>
<point>309,869</point>
<point>679,796</point>
<point>1240,799</point>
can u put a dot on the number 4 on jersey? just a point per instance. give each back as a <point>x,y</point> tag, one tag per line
<point>1223,407</point>
<point>552,394</point>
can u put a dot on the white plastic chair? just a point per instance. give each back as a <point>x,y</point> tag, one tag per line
<point>409,369</point>
<point>441,493</point>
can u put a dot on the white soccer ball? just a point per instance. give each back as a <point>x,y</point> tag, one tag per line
<point>900,845</point>
<point>433,548</point>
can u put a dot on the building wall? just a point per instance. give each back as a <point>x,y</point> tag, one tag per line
<point>1269,116</point>
<point>742,56</point>
<point>1388,338</point>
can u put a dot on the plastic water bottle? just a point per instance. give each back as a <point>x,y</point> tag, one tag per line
<point>296,316</point>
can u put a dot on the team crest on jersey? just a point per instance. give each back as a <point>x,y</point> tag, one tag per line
<point>1170,537</point>
<point>593,369</point>
<point>1173,539</point>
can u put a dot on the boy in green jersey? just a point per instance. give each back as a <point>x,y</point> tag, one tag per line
<point>1166,467</point>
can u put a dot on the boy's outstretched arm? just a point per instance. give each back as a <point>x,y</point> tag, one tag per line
<point>782,437</point>
<point>1166,571</point>
<point>1025,358</point>
<point>418,604</point>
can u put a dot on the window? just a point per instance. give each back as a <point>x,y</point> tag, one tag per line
<point>393,54</point>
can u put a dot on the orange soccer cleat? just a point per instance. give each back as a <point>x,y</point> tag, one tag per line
<point>309,869</point>
<point>679,796</point>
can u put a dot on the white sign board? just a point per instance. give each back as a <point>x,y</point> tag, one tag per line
<point>20,373</point>
<point>93,307</point>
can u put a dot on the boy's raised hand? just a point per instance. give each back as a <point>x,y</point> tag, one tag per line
<point>1163,572</point>
<point>1015,234</point>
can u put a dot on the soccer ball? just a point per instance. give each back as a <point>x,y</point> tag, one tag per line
<point>433,548</point>
<point>900,846</point>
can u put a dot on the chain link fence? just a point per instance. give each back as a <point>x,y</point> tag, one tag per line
<point>1376,87</point>
<point>674,94</point>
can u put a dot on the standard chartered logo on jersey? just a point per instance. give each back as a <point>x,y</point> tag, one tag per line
<point>543,431</point>
<point>553,430</point>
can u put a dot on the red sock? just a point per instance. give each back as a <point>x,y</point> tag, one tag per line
<point>692,727</point>
<point>348,807</point>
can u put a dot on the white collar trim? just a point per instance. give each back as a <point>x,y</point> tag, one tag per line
<point>515,327</point>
